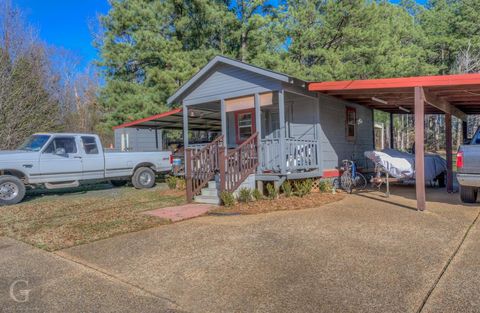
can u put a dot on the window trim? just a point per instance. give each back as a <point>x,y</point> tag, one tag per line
<point>237,130</point>
<point>347,111</point>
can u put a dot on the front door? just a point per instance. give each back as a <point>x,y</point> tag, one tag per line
<point>61,161</point>
<point>244,125</point>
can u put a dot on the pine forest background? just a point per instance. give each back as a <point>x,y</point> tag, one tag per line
<point>148,48</point>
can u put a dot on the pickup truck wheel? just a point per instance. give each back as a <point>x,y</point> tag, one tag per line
<point>468,194</point>
<point>12,190</point>
<point>143,177</point>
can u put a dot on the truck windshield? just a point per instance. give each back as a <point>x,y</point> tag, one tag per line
<point>34,143</point>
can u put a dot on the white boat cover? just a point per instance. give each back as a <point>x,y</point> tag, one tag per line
<point>401,165</point>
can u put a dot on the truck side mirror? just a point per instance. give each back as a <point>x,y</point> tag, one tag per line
<point>60,151</point>
<point>467,141</point>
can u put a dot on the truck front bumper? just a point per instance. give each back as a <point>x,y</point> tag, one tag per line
<point>469,180</point>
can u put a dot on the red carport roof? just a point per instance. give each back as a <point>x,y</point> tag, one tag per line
<point>462,91</point>
<point>144,121</point>
<point>209,120</point>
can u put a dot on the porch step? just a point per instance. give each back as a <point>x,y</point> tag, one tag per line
<point>212,184</point>
<point>209,192</point>
<point>207,199</point>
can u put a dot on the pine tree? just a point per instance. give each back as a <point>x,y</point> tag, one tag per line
<point>150,48</point>
<point>353,39</point>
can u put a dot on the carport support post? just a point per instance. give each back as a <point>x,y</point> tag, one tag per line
<point>464,130</point>
<point>448,150</point>
<point>419,147</point>
<point>391,131</point>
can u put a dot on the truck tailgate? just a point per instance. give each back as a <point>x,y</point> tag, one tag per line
<point>471,159</point>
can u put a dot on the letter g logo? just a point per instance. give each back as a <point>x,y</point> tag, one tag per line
<point>20,295</point>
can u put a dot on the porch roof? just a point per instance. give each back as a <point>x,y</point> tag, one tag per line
<point>174,120</point>
<point>461,93</point>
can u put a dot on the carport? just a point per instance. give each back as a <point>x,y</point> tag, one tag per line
<point>202,120</point>
<point>452,95</point>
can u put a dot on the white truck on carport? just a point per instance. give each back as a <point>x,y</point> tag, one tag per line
<point>64,160</point>
<point>468,168</point>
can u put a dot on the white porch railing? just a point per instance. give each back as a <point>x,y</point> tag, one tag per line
<point>299,154</point>
<point>197,146</point>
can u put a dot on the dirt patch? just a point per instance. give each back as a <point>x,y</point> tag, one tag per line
<point>312,200</point>
<point>58,222</point>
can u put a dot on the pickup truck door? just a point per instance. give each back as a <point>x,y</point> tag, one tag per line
<point>93,158</point>
<point>61,160</point>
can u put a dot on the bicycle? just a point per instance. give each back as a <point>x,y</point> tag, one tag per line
<point>351,178</point>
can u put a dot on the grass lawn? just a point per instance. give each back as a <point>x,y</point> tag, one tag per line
<point>60,220</point>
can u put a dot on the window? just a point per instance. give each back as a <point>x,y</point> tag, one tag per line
<point>67,143</point>
<point>34,143</point>
<point>351,123</point>
<point>245,124</point>
<point>90,145</point>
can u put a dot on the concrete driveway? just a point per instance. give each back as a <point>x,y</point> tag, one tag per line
<point>365,253</point>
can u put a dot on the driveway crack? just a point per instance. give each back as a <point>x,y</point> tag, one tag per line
<point>449,261</point>
<point>115,278</point>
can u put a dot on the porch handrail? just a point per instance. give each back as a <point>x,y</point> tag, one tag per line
<point>201,166</point>
<point>238,164</point>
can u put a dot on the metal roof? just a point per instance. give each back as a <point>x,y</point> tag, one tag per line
<point>203,120</point>
<point>396,95</point>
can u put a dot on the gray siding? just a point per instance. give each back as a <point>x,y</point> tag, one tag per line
<point>334,146</point>
<point>139,139</point>
<point>302,117</point>
<point>226,82</point>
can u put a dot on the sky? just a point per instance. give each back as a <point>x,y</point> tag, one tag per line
<point>65,23</point>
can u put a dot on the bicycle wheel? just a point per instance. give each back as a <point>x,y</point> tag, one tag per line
<point>360,182</point>
<point>346,182</point>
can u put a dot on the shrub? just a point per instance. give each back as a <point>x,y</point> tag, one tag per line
<point>245,195</point>
<point>181,184</point>
<point>303,187</point>
<point>325,185</point>
<point>171,182</point>
<point>228,199</point>
<point>272,192</point>
<point>287,189</point>
<point>257,195</point>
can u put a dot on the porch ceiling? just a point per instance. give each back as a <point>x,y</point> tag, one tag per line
<point>391,95</point>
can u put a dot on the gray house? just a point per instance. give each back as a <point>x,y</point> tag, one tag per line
<point>272,128</point>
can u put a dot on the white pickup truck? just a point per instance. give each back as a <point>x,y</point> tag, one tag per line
<point>64,160</point>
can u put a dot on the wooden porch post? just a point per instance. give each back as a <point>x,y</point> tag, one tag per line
<point>188,158</point>
<point>223,116</point>
<point>391,145</point>
<point>281,114</point>
<point>258,123</point>
<point>223,152</point>
<point>419,147</point>
<point>448,150</point>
